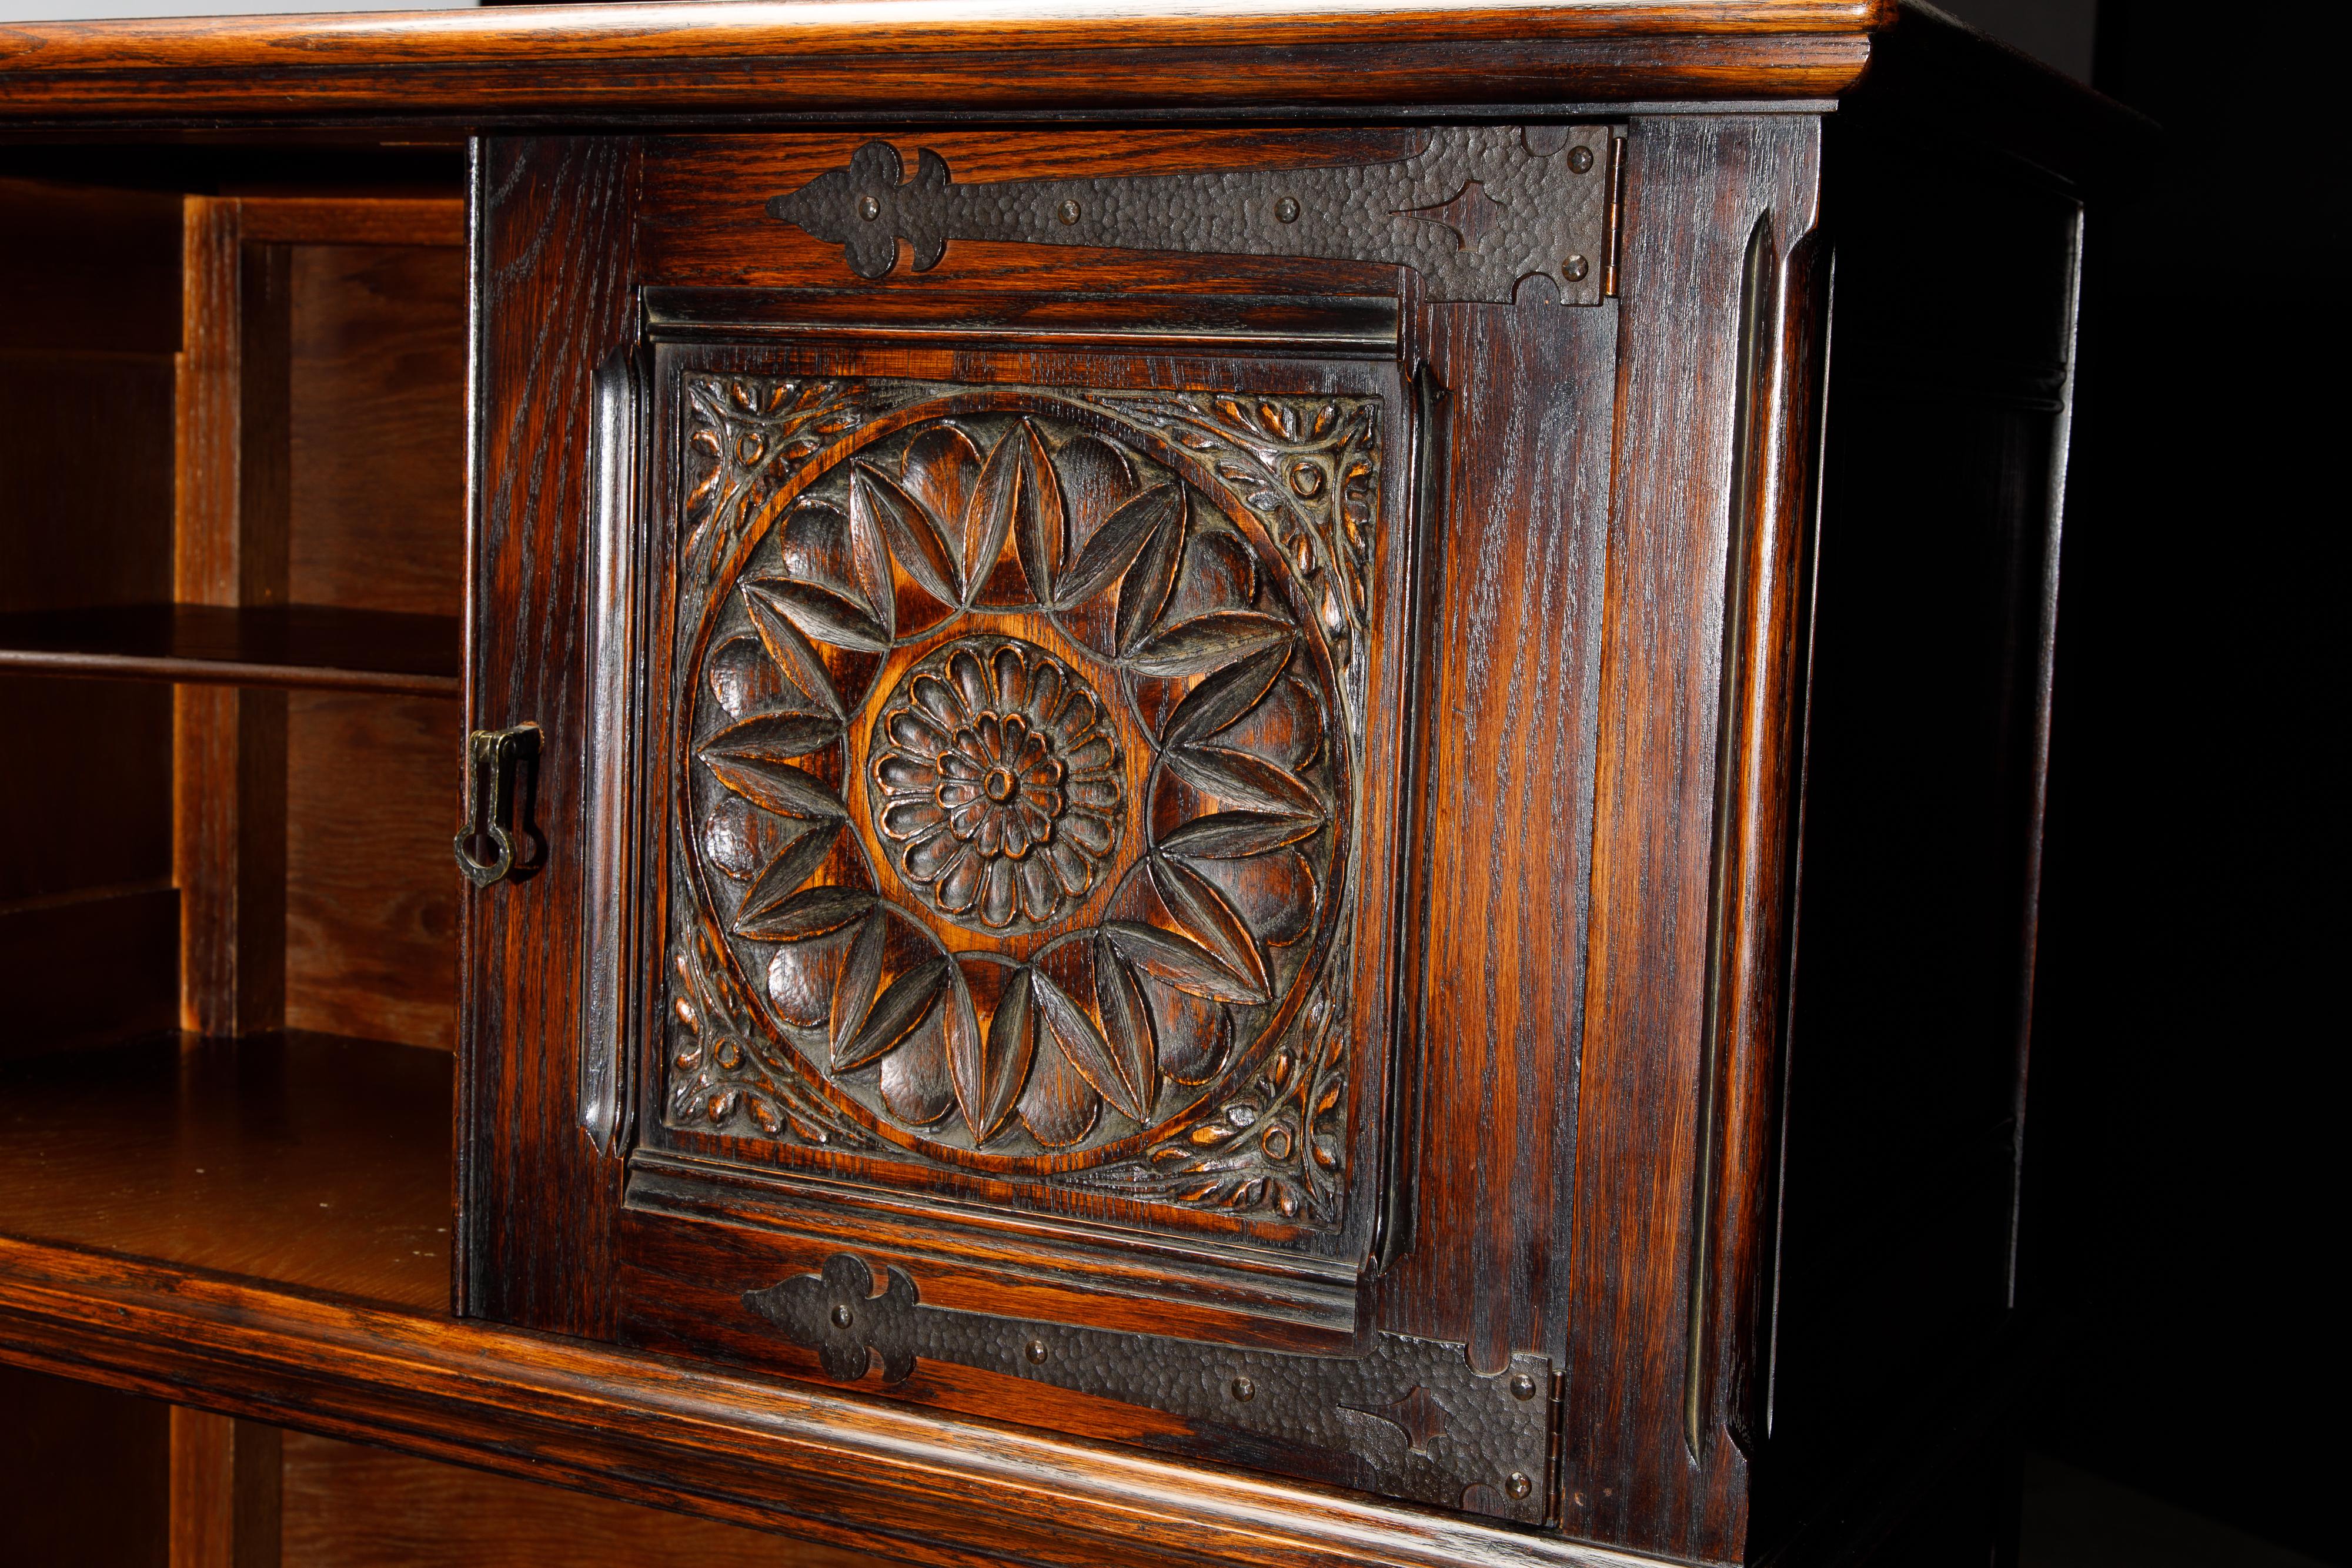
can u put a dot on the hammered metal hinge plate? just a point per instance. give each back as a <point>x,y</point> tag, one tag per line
<point>1408,1418</point>
<point>1478,212</point>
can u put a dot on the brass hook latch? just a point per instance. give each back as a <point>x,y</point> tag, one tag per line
<point>491,762</point>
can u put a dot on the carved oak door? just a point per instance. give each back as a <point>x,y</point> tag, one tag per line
<point>1019,970</point>
<point>1018,756</point>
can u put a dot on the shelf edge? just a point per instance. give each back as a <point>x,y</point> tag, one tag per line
<point>795,1460</point>
<point>220,673</point>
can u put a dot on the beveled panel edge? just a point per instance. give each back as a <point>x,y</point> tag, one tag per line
<point>1290,1295</point>
<point>1333,325</point>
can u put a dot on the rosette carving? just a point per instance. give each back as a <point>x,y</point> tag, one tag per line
<point>1016,785</point>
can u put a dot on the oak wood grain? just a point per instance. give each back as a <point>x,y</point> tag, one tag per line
<point>554,222</point>
<point>1497,903</point>
<point>357,220</point>
<point>355,1506</point>
<point>842,1471</point>
<point>1696,190</point>
<point>225,1491</point>
<point>370,893</point>
<point>704,219</point>
<point>230,550</point>
<point>317,1162</point>
<point>377,427</point>
<point>643,61</point>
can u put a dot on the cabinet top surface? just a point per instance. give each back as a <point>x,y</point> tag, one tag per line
<point>927,59</point>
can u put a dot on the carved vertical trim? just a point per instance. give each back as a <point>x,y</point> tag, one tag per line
<point>609,805</point>
<point>1424,569</point>
<point>1757,745</point>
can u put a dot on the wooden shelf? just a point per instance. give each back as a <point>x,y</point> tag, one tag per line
<point>307,1160</point>
<point>312,646</point>
<point>256,1226</point>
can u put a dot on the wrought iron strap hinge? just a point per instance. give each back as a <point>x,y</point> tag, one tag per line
<point>1409,1417</point>
<point>1478,212</point>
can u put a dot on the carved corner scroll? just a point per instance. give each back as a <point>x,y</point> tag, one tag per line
<point>1018,753</point>
<point>1407,1418</point>
<point>1478,212</point>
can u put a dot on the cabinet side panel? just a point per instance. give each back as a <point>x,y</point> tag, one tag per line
<point>1947,425</point>
<point>88,917</point>
<point>552,296</point>
<point>1694,192</point>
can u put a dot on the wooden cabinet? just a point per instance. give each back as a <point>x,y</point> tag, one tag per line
<point>1265,794</point>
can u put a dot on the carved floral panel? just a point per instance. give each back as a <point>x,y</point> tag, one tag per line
<point>1016,771</point>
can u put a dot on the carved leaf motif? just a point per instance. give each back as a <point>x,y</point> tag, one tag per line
<point>1002,1069</point>
<point>1020,497</point>
<point>1246,781</point>
<point>914,1080</point>
<point>1205,917</point>
<point>967,1051</point>
<point>1186,964</point>
<point>901,1009</point>
<point>1120,539</point>
<point>1147,1005</point>
<point>1082,1046</point>
<point>1127,1023</point>
<point>1207,643</point>
<point>790,650</point>
<point>860,977</point>
<point>1143,593</point>
<point>941,469</point>
<point>777,787</point>
<point>772,738</point>
<point>794,864</point>
<point>812,912</point>
<point>913,537</point>
<point>1058,1106</point>
<point>1236,835</point>
<point>1226,695</point>
<point>823,615</point>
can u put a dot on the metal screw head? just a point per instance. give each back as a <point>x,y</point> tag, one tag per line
<point>1523,1386</point>
<point>1244,1390</point>
<point>868,208</point>
<point>1519,1485</point>
<point>842,1318</point>
<point>1067,211</point>
<point>1579,158</point>
<point>1035,1351</point>
<point>1287,210</point>
<point>1574,267</point>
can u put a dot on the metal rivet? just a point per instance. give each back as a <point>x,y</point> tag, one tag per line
<point>841,1318</point>
<point>1287,209</point>
<point>1067,211</point>
<point>1580,158</point>
<point>1035,1351</point>
<point>868,208</point>
<point>1523,1386</point>
<point>1244,1390</point>
<point>1574,268</point>
<point>1519,1485</point>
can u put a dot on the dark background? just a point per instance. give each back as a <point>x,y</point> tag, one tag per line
<point>2183,1141</point>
